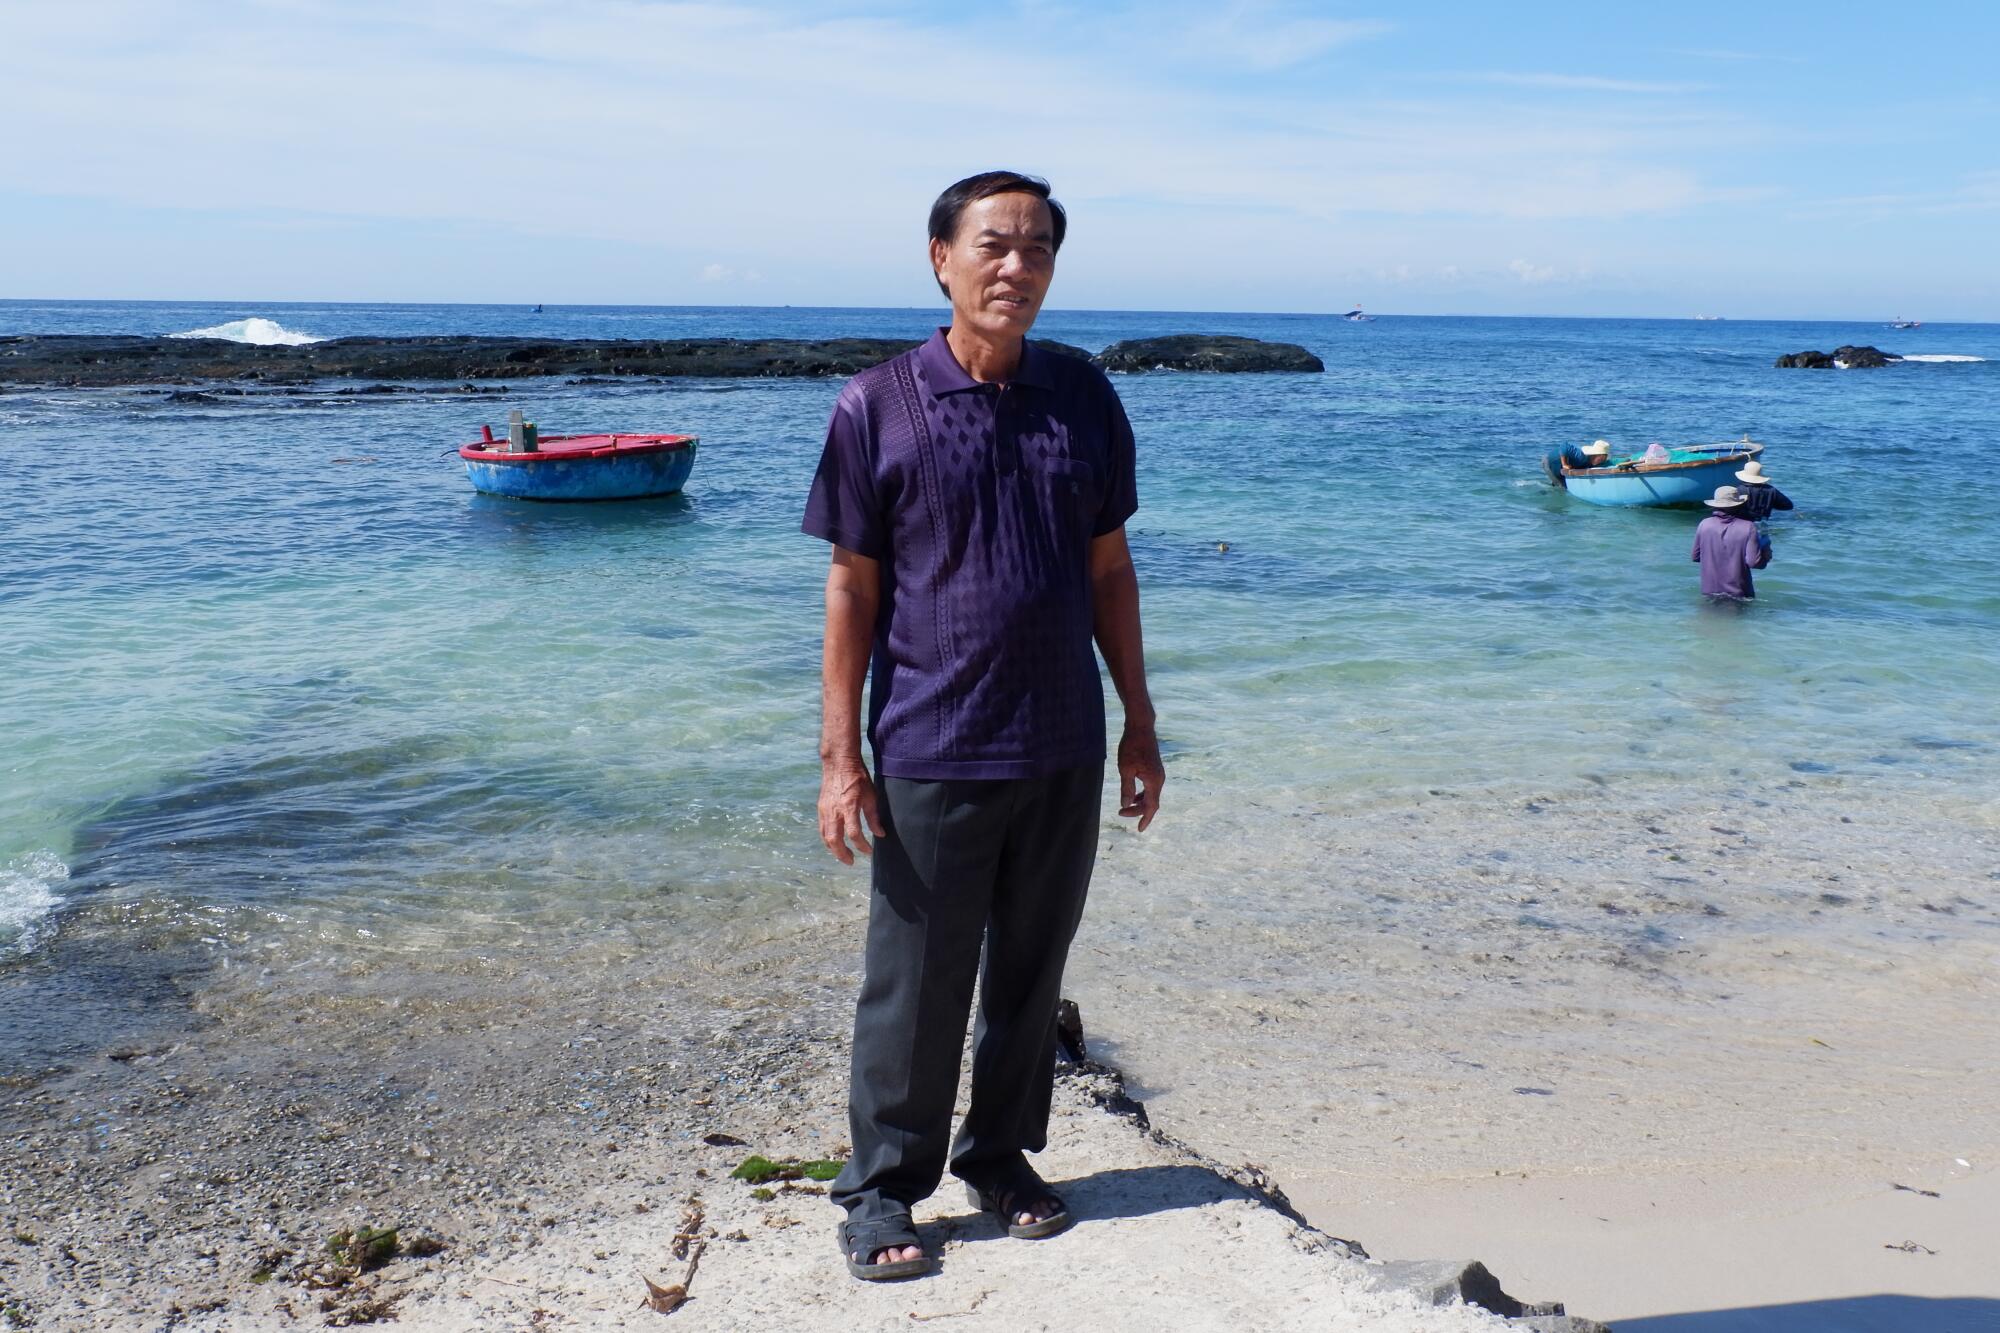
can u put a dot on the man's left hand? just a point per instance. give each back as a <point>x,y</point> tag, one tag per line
<point>1140,774</point>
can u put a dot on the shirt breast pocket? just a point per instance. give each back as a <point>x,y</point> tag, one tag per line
<point>1071,485</point>
<point>1072,477</point>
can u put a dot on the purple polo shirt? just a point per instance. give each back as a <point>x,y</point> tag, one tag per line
<point>981,502</point>
<point>1726,548</point>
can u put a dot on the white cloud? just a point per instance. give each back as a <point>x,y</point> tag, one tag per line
<point>1532,274</point>
<point>1978,192</point>
<point>1262,37</point>
<point>1587,83</point>
<point>673,123</point>
<point>801,150</point>
<point>1735,57</point>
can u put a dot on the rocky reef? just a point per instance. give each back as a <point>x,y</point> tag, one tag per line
<point>1209,352</point>
<point>1840,358</point>
<point>93,361</point>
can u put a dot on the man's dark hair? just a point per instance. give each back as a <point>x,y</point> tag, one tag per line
<point>950,206</point>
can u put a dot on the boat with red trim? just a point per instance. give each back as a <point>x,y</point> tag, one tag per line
<point>579,467</point>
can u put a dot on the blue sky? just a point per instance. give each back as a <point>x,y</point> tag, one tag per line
<point>1584,159</point>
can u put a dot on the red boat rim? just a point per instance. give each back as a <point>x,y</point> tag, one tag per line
<point>559,448</point>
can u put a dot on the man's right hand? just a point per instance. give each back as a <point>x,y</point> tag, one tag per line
<point>847,812</point>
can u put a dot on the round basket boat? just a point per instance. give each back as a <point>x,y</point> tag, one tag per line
<point>1688,476</point>
<point>583,467</point>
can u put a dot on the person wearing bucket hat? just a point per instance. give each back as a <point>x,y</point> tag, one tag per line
<point>1725,546</point>
<point>1760,497</point>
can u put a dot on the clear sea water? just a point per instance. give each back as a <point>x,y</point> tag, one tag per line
<point>271,665</point>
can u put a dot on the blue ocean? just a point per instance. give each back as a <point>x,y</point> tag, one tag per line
<point>273,669</point>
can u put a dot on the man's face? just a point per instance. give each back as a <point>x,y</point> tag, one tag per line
<point>998,267</point>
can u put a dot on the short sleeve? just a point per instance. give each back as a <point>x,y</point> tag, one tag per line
<point>1121,491</point>
<point>843,506</point>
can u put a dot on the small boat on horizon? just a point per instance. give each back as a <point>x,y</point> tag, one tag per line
<point>1355,316</point>
<point>1683,475</point>
<point>1906,323</point>
<point>578,467</point>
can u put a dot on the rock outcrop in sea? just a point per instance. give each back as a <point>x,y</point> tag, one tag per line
<point>1841,358</point>
<point>92,361</point>
<point>1207,351</point>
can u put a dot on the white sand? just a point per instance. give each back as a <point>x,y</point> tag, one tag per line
<point>1709,1121</point>
<point>1650,1124</point>
<point>550,1125</point>
<point>1163,1241</point>
<point>1780,1242</point>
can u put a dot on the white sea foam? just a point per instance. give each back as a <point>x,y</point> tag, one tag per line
<point>27,896</point>
<point>1940,357</point>
<point>262,332</point>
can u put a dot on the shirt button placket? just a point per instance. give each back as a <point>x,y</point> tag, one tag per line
<point>1006,450</point>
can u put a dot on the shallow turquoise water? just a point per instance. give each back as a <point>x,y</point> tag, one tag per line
<point>247,679</point>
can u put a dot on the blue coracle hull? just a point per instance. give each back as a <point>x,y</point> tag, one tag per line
<point>623,478</point>
<point>1682,486</point>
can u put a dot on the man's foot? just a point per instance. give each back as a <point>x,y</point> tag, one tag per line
<point>1041,1212</point>
<point>1026,1205</point>
<point>884,1249</point>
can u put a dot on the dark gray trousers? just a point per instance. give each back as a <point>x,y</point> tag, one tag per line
<point>1006,863</point>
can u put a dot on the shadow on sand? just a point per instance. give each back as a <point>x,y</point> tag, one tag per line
<point>1855,1314</point>
<point>1103,1196</point>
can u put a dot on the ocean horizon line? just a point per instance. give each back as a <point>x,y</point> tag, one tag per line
<point>1047,311</point>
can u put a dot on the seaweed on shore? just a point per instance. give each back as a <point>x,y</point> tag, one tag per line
<point>759,1170</point>
<point>363,1248</point>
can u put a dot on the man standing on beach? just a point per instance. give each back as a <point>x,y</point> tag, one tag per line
<point>975,491</point>
<point>1725,546</point>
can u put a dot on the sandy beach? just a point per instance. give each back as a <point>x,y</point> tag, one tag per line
<point>546,1133</point>
<point>1711,1147</point>
<point>1759,1120</point>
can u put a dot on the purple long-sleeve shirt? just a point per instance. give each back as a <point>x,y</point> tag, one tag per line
<point>1725,547</point>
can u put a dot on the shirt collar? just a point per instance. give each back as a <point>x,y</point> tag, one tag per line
<point>945,375</point>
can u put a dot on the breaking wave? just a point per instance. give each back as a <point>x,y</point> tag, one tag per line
<point>262,332</point>
<point>27,896</point>
<point>1940,357</point>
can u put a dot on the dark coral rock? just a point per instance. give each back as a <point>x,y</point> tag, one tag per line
<point>472,363</point>
<point>1850,357</point>
<point>1207,351</point>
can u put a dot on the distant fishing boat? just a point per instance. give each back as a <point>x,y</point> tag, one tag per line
<point>1684,475</point>
<point>1355,316</point>
<point>1906,323</point>
<point>537,310</point>
<point>1708,318</point>
<point>579,467</point>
